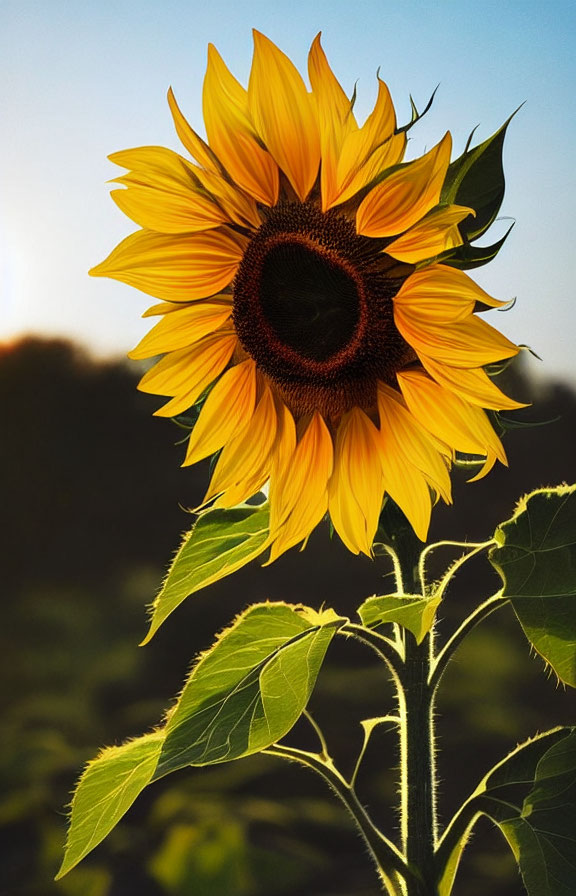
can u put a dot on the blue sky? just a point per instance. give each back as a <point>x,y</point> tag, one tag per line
<point>81,80</point>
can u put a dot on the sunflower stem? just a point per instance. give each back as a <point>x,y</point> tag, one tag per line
<point>417,752</point>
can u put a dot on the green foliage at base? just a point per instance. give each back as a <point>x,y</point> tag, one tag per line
<point>247,691</point>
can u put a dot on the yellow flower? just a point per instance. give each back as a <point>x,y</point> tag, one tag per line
<point>296,258</point>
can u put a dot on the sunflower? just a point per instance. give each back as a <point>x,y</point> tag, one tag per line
<point>304,309</point>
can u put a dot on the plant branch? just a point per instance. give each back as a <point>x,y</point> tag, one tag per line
<point>368,726</point>
<point>387,649</point>
<point>319,733</point>
<point>473,549</point>
<point>455,834</point>
<point>480,613</point>
<point>388,859</point>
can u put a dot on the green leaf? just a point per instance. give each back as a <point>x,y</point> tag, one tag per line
<point>507,796</point>
<point>467,256</point>
<point>536,558</point>
<point>248,690</point>
<point>243,695</point>
<point>542,835</point>
<point>105,792</point>
<point>476,180</point>
<point>221,542</point>
<point>414,612</point>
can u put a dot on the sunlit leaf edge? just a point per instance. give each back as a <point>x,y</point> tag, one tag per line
<point>185,576</point>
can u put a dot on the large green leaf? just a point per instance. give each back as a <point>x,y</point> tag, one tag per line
<point>105,792</point>
<point>542,833</point>
<point>221,542</point>
<point>476,180</point>
<point>530,795</point>
<point>244,694</point>
<point>536,557</point>
<point>414,612</point>
<point>251,687</point>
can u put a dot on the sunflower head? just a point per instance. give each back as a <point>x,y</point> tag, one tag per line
<point>314,303</point>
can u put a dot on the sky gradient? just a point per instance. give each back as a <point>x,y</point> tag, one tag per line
<point>79,81</point>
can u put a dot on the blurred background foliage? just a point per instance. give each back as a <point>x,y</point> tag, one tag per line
<point>93,501</point>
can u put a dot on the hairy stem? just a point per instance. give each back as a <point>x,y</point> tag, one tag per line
<point>418,784</point>
<point>418,772</point>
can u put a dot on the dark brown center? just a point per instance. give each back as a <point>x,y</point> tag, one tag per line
<point>313,307</point>
<point>310,301</point>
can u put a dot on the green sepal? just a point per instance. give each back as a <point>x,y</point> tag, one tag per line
<point>476,180</point>
<point>412,611</point>
<point>466,257</point>
<point>536,558</point>
<point>220,542</point>
<point>512,794</point>
<point>415,115</point>
<point>250,688</point>
<point>105,792</point>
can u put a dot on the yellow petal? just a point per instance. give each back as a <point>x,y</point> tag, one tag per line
<point>185,327</point>
<point>428,456</point>
<point>282,457</point>
<point>360,143</point>
<point>383,157</point>
<point>464,427</point>
<point>283,116</point>
<point>405,483</point>
<point>155,166</point>
<point>163,308</point>
<point>439,294</point>
<point>473,385</point>
<point>185,373</point>
<point>244,464</point>
<point>179,267</point>
<point>467,343</point>
<point>330,98</point>
<point>231,133</point>
<point>406,195</point>
<point>335,118</point>
<point>356,488</point>
<point>197,147</point>
<point>161,168</point>
<point>229,406</point>
<point>168,211</point>
<point>435,233</point>
<point>240,208</point>
<point>304,487</point>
